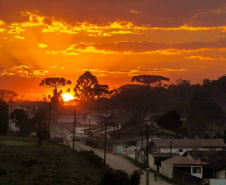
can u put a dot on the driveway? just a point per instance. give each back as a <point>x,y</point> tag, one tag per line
<point>118,162</point>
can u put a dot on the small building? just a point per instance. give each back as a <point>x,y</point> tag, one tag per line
<point>182,145</point>
<point>215,172</point>
<point>155,160</point>
<point>183,170</point>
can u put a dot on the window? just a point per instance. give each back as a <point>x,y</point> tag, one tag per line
<point>197,170</point>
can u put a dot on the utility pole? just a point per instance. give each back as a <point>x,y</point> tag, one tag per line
<point>171,149</point>
<point>147,168</point>
<point>101,131</point>
<point>73,137</point>
<point>142,144</point>
<point>89,126</point>
<point>85,124</point>
<point>49,119</point>
<point>61,126</point>
<point>147,160</point>
<point>105,138</point>
<point>113,135</point>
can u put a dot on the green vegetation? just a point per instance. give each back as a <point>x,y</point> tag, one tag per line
<point>24,162</point>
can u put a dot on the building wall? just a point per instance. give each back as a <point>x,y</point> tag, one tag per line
<point>152,162</point>
<point>217,181</point>
<point>221,174</point>
<point>13,127</point>
<point>199,175</point>
<point>167,169</point>
<point>182,150</point>
<point>174,150</point>
<point>130,152</point>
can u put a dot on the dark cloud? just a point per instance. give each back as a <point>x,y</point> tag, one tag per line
<point>154,12</point>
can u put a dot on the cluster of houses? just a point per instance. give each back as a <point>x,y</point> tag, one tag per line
<point>187,161</point>
<point>193,161</point>
<point>197,161</point>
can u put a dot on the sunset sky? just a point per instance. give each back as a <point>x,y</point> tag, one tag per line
<point>113,39</point>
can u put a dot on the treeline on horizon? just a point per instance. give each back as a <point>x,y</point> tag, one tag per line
<point>201,105</point>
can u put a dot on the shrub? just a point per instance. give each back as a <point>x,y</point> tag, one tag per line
<point>135,177</point>
<point>115,177</point>
<point>92,157</point>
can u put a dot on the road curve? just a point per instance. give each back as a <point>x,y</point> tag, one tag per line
<point>118,162</point>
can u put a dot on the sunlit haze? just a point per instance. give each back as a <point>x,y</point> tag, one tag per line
<point>67,97</point>
<point>114,40</point>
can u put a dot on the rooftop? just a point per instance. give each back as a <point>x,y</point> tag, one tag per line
<point>217,165</point>
<point>189,143</point>
<point>180,160</point>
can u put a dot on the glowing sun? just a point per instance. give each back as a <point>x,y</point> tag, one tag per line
<point>67,97</point>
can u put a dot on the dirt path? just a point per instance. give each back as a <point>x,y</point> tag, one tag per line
<point>120,163</point>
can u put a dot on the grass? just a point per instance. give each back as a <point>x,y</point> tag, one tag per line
<point>23,162</point>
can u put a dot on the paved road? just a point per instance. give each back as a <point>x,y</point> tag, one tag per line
<point>120,163</point>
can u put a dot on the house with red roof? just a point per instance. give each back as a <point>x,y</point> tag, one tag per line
<point>183,170</point>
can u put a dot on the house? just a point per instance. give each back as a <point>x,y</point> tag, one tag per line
<point>140,130</point>
<point>183,170</point>
<point>155,160</point>
<point>182,145</point>
<point>215,172</point>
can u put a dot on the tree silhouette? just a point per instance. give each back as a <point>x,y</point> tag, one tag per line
<point>101,90</point>
<point>41,121</point>
<point>149,79</point>
<point>171,121</point>
<point>4,118</point>
<point>84,89</point>
<point>203,113</point>
<point>7,95</point>
<point>55,83</point>
<point>26,125</point>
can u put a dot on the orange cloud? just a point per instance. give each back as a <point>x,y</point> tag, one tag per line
<point>17,37</point>
<point>41,45</point>
<point>132,72</point>
<point>135,12</point>
<point>15,28</point>
<point>200,57</point>
<point>22,71</point>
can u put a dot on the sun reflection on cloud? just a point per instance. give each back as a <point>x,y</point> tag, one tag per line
<point>41,45</point>
<point>22,71</point>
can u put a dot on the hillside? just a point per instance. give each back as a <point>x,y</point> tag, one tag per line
<point>23,162</point>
